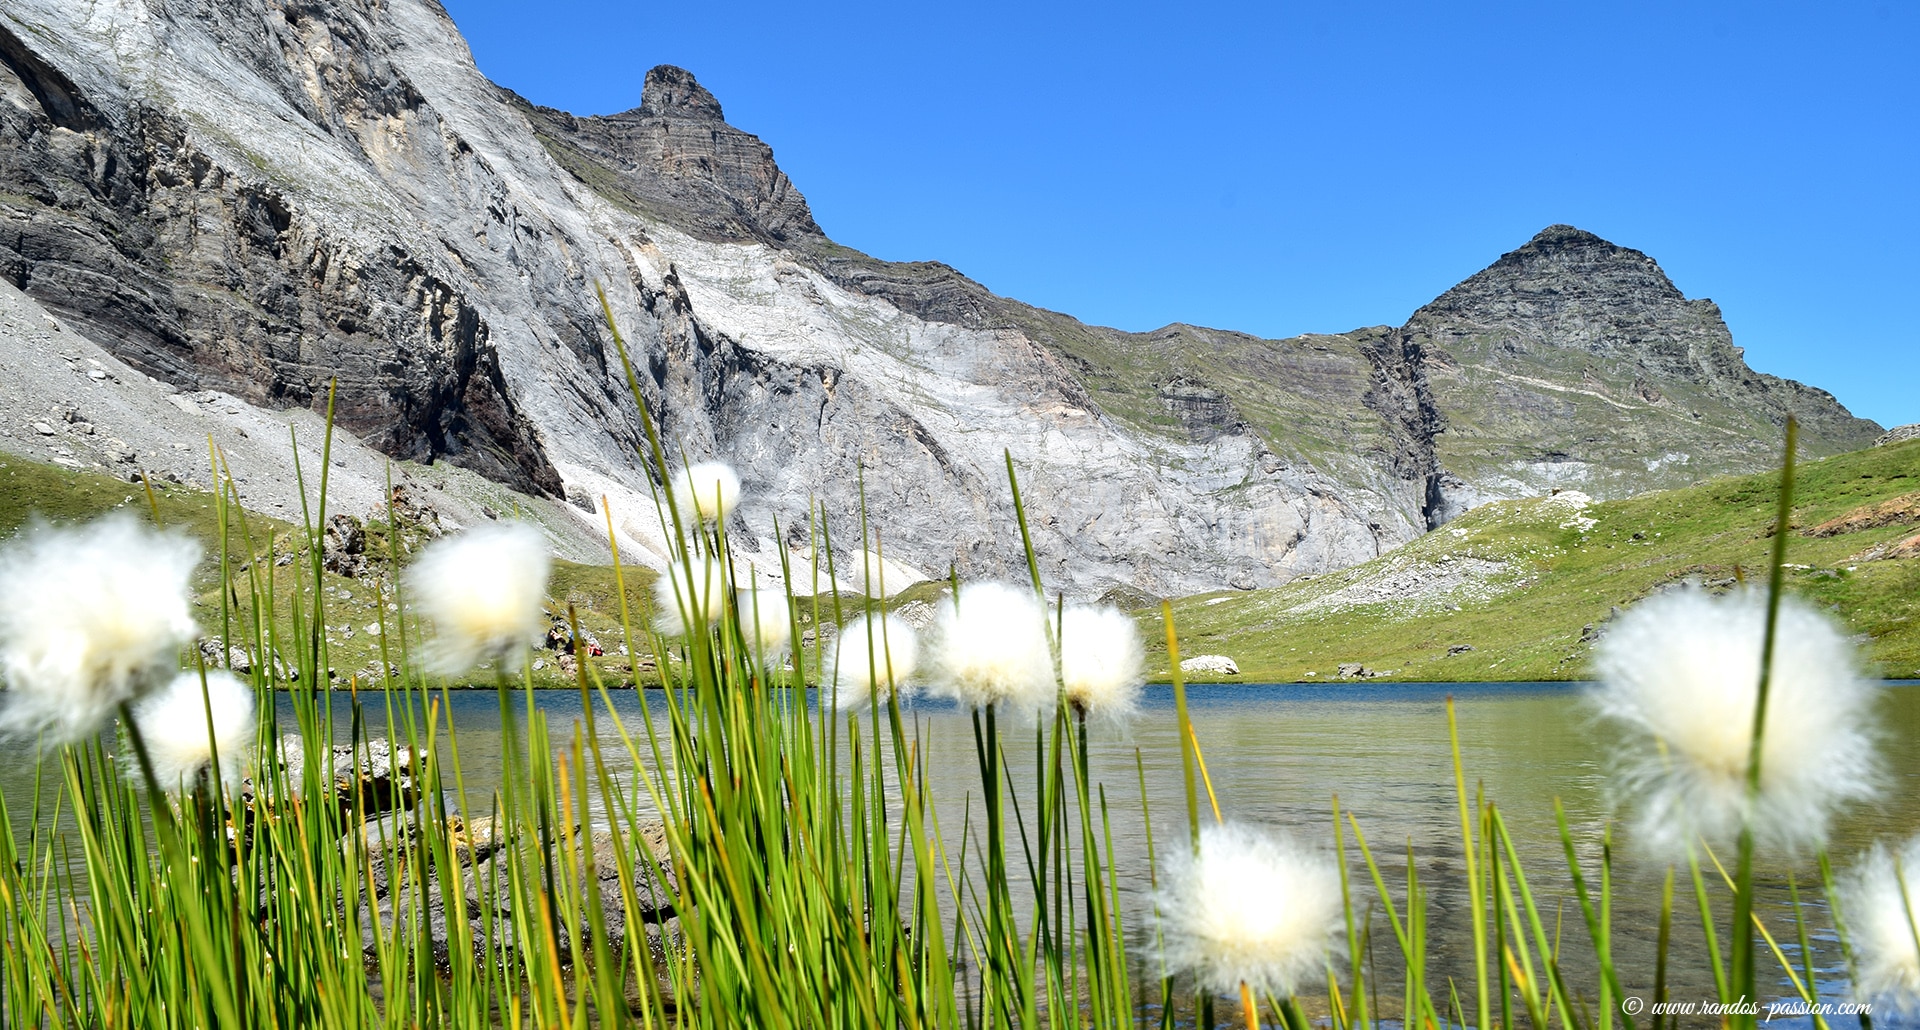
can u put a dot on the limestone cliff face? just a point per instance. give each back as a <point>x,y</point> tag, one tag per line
<point>265,196</point>
<point>151,200</point>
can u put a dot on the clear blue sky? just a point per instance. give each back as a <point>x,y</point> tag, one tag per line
<point>1284,168</point>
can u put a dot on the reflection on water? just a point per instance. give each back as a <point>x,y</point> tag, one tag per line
<point>1279,754</point>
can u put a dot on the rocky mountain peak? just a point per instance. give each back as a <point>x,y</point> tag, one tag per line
<point>1563,272</point>
<point>674,157</point>
<point>1565,237</point>
<point>1570,331</point>
<point>672,92</point>
<point>1568,290</point>
<point>1566,252</point>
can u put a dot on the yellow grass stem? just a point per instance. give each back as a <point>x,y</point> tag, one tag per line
<point>1200,760</point>
<point>1186,724</point>
<point>1477,903</point>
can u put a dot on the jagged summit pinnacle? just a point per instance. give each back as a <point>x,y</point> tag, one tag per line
<point>676,158</point>
<point>672,92</point>
<point>1562,262</point>
<point>1566,244</point>
<point>1561,235</point>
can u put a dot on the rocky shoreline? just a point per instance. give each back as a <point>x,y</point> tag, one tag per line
<point>375,787</point>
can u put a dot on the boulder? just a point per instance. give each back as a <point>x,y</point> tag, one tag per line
<point>344,548</point>
<point>370,780</point>
<point>1210,665</point>
<point>479,913</point>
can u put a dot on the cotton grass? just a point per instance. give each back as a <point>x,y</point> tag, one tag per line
<point>1248,908</point>
<point>873,656</point>
<point>1880,900</point>
<point>764,622</point>
<point>989,647</point>
<point>1101,662</point>
<point>689,591</point>
<point>90,618</point>
<point>1680,673</point>
<point>707,491</point>
<point>484,591</point>
<point>173,724</point>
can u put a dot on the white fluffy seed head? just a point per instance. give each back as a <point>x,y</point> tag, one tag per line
<point>173,726</point>
<point>1681,672</point>
<point>1101,662</point>
<point>989,647</point>
<point>1248,907</point>
<point>706,491</point>
<point>1881,920</point>
<point>689,593</point>
<point>873,656</point>
<point>484,591</point>
<point>90,617</point>
<point>764,622</point>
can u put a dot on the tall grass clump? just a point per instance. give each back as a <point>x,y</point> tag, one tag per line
<point>229,836</point>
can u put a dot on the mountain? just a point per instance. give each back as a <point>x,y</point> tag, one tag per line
<point>261,197</point>
<point>1577,363</point>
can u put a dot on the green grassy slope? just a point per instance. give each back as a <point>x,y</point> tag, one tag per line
<point>1521,582</point>
<point>33,490</point>
<point>1303,395</point>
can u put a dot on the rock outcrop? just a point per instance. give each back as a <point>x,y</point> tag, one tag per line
<point>266,197</point>
<point>1898,434</point>
<point>1574,362</point>
<point>676,159</point>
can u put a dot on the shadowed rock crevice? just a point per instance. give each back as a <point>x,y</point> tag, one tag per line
<point>55,94</point>
<point>1400,394</point>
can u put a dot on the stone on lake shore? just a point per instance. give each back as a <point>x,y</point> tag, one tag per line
<point>1210,664</point>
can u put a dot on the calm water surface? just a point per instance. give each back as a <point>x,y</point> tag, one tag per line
<point>1278,754</point>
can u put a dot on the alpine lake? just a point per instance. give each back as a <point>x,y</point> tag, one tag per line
<point>1278,755</point>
